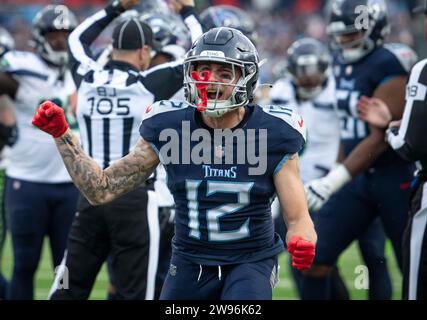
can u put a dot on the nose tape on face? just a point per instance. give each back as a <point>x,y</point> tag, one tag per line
<point>202,88</point>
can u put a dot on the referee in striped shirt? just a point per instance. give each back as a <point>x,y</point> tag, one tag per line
<point>407,137</point>
<point>110,104</point>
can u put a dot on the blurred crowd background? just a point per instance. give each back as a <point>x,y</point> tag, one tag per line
<point>278,23</point>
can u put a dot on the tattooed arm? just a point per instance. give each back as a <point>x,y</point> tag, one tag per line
<point>102,186</point>
<point>98,186</point>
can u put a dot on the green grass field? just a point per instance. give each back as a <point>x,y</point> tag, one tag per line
<point>284,290</point>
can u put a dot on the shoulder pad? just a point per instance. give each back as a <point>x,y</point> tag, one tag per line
<point>406,56</point>
<point>289,115</point>
<point>14,60</point>
<point>161,66</point>
<point>163,107</point>
<point>282,90</point>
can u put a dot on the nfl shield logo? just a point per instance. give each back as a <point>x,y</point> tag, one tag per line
<point>172,270</point>
<point>219,151</point>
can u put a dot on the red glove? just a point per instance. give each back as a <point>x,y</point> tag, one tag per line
<point>51,119</point>
<point>302,252</point>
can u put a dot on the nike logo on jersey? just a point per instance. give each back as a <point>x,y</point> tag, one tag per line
<point>148,109</point>
<point>301,122</point>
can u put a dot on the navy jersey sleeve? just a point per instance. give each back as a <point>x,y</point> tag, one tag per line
<point>291,138</point>
<point>286,134</point>
<point>397,60</point>
<point>150,123</point>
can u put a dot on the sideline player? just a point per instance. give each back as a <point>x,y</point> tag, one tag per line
<point>39,196</point>
<point>353,194</point>
<point>8,136</point>
<point>309,84</point>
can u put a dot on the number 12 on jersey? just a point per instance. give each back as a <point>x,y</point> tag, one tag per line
<point>242,189</point>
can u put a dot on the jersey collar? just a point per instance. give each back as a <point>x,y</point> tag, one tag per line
<point>121,65</point>
<point>249,111</point>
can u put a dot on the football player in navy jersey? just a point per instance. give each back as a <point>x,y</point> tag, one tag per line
<point>39,197</point>
<point>224,245</point>
<point>309,85</point>
<point>357,191</point>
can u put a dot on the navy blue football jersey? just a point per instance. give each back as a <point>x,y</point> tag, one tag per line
<point>363,78</point>
<point>223,213</point>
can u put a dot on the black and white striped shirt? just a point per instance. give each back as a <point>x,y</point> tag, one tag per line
<point>411,141</point>
<point>112,98</point>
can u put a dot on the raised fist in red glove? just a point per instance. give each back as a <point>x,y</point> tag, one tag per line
<point>51,119</point>
<point>302,252</point>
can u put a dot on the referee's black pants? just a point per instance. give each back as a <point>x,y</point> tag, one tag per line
<point>415,245</point>
<point>119,229</point>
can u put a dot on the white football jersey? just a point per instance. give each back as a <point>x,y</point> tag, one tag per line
<point>322,123</point>
<point>35,157</point>
<point>4,157</point>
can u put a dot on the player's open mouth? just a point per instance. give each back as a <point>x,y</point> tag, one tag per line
<point>213,95</point>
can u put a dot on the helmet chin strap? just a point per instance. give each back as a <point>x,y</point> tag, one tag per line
<point>213,112</point>
<point>202,88</point>
<point>352,55</point>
